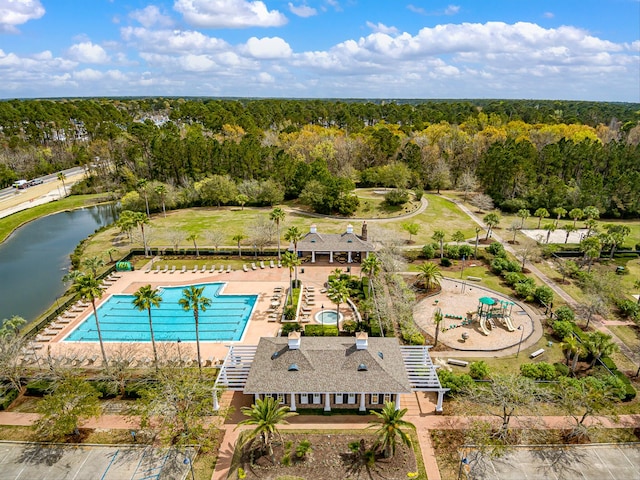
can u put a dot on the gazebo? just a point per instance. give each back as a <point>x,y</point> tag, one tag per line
<point>331,244</point>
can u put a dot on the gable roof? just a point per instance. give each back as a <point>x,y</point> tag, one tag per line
<point>335,242</point>
<point>327,365</point>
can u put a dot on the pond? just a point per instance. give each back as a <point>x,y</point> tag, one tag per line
<point>35,257</point>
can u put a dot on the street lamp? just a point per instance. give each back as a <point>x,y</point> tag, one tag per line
<point>520,342</point>
<point>179,354</point>
<point>322,316</point>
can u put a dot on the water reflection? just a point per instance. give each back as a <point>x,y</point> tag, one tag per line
<point>35,258</point>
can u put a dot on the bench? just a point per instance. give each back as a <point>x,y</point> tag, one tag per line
<point>537,353</point>
<point>474,279</point>
<point>458,363</point>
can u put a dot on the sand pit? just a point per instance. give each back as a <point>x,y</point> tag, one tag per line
<point>458,298</point>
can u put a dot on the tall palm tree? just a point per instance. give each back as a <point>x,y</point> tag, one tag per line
<point>371,267</point>
<point>430,275</point>
<point>291,261</point>
<point>192,238</point>
<point>277,215</point>
<point>145,298</point>
<point>140,220</point>
<point>569,229</point>
<point>266,415</point>
<point>338,292</point>
<point>162,191</point>
<point>294,235</point>
<point>437,320</point>
<point>541,213</point>
<point>576,214</point>
<point>492,220</point>
<point>572,347</point>
<point>93,264</point>
<point>559,212</point>
<point>523,213</point>
<point>600,345</point>
<point>391,425</point>
<point>192,299</point>
<point>62,177</point>
<point>238,238</point>
<point>438,236</point>
<point>88,287</point>
<point>550,228</point>
<point>142,185</point>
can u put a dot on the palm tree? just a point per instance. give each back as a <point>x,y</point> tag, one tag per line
<point>391,426</point>
<point>429,275</point>
<point>591,247</point>
<point>142,185</point>
<point>93,264</point>
<point>277,215</point>
<point>238,238</point>
<point>88,287</point>
<point>62,177</point>
<point>266,415</point>
<point>458,237</point>
<point>145,298</point>
<point>576,214</point>
<point>161,190</point>
<point>140,219</point>
<point>541,213</point>
<point>569,229</point>
<point>600,345</point>
<point>371,267</point>
<point>523,213</point>
<point>572,346</point>
<point>438,236</point>
<point>294,235</point>
<point>110,252</point>
<point>291,261</point>
<point>338,292</point>
<point>559,212</point>
<point>475,252</point>
<point>192,299</point>
<point>437,320</point>
<point>492,220</point>
<point>550,227</point>
<point>192,238</point>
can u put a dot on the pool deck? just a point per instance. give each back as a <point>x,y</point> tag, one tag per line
<point>259,282</point>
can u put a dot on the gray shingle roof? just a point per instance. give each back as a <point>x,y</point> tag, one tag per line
<point>335,242</point>
<point>327,365</point>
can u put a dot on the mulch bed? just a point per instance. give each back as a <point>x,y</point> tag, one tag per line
<point>330,458</point>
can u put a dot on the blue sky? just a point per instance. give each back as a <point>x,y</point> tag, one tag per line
<point>545,49</point>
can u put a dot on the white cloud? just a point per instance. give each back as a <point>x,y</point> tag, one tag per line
<point>415,9</point>
<point>264,77</point>
<point>172,41</point>
<point>451,10</point>
<point>267,48</point>
<point>17,12</point>
<point>382,28</point>
<point>229,13</point>
<point>548,15</point>
<point>87,52</point>
<point>302,10</point>
<point>150,16</point>
<point>88,75</point>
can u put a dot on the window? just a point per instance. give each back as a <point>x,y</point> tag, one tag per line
<point>339,398</point>
<point>317,399</point>
<point>351,399</point>
<point>304,398</point>
<point>387,397</point>
<point>280,398</point>
<point>362,367</point>
<point>375,398</point>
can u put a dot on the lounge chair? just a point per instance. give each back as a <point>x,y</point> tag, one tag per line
<point>221,269</point>
<point>213,269</point>
<point>157,269</point>
<point>253,266</point>
<point>261,264</point>
<point>204,269</point>
<point>209,361</point>
<point>244,267</point>
<point>195,269</point>
<point>173,270</point>
<point>271,264</point>
<point>184,269</point>
<point>279,264</point>
<point>228,269</point>
<point>148,269</point>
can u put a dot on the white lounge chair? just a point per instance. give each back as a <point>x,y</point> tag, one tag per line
<point>244,267</point>
<point>228,269</point>
<point>157,269</point>
<point>253,266</point>
<point>184,269</point>
<point>271,264</point>
<point>213,269</point>
<point>204,269</point>
<point>195,269</point>
<point>173,270</point>
<point>261,264</point>
<point>221,269</point>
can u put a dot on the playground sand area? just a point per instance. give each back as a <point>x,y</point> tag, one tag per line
<point>456,299</point>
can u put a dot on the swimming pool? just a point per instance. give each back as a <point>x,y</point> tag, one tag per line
<point>225,320</point>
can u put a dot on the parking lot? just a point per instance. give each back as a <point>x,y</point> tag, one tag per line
<point>57,462</point>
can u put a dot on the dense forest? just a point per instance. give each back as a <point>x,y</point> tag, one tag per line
<point>186,151</point>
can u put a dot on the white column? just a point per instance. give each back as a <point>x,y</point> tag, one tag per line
<point>293,402</point>
<point>331,256</point>
<point>440,398</point>
<point>397,401</point>
<point>216,405</point>
<point>362,407</point>
<point>348,257</point>
<point>327,402</point>
<point>256,397</point>
<point>313,256</point>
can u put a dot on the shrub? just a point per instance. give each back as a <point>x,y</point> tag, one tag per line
<point>289,327</point>
<point>511,278</point>
<point>290,312</point>
<point>466,251</point>
<point>428,252</point>
<point>303,448</point>
<point>629,309</point>
<point>456,383</point>
<point>499,264</point>
<point>497,249</point>
<point>418,193</point>
<point>8,398</point>
<point>107,389</point>
<point>398,196</point>
<point>561,369</point>
<point>525,288</point>
<point>565,314</point>
<point>543,294</point>
<point>628,392</point>
<point>134,390</point>
<point>538,371</point>
<point>562,328</point>
<point>321,331</point>
<point>416,339</point>
<point>445,262</point>
<point>452,251</point>
<point>38,388</point>
<point>350,326</point>
<point>479,370</point>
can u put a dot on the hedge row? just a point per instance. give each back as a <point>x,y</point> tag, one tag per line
<point>8,398</point>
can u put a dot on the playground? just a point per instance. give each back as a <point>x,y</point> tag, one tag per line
<point>475,318</point>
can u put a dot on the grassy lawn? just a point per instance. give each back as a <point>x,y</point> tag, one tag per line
<point>630,335</point>
<point>10,223</point>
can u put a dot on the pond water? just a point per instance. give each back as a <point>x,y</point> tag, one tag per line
<point>35,257</point>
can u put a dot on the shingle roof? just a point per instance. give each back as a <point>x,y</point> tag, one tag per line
<point>335,242</point>
<point>327,365</point>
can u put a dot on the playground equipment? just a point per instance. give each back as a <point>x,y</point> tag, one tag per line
<point>492,308</point>
<point>124,267</point>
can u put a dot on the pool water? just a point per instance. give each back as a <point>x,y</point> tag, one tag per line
<point>225,320</point>
<point>327,317</point>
